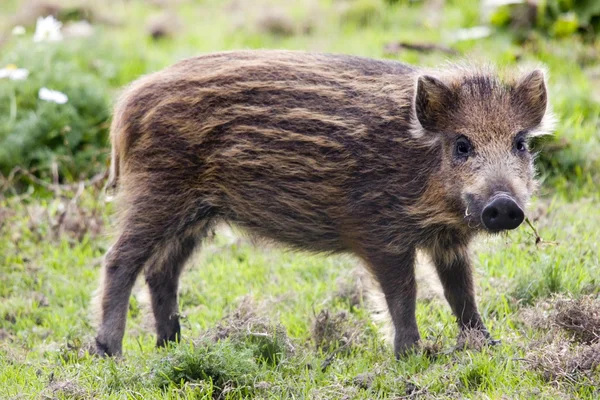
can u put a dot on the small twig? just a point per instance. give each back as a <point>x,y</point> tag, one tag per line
<point>538,238</point>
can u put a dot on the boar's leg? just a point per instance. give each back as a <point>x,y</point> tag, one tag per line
<point>149,238</point>
<point>453,266</point>
<point>162,277</point>
<point>396,276</point>
<point>123,263</point>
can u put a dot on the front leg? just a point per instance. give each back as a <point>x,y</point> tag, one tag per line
<point>453,266</point>
<point>396,276</point>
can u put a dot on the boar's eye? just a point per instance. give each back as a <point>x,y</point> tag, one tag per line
<point>521,145</point>
<point>462,148</point>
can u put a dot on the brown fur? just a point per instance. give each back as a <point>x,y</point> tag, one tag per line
<point>327,153</point>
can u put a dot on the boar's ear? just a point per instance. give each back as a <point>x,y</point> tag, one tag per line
<point>432,100</point>
<point>530,98</point>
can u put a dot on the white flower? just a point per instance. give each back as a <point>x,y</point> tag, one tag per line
<point>13,73</point>
<point>47,29</point>
<point>18,30</point>
<point>52,95</point>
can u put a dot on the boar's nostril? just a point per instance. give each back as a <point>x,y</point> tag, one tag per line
<point>502,213</point>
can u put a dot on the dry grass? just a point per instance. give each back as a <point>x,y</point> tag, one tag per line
<point>561,360</point>
<point>472,339</point>
<point>65,390</point>
<point>580,318</point>
<point>577,319</point>
<point>332,331</point>
<point>249,323</point>
<point>570,350</point>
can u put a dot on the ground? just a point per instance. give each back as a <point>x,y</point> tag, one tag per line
<point>262,321</point>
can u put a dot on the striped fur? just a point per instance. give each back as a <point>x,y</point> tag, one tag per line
<point>320,152</point>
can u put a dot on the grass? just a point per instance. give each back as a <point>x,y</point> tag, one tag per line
<point>293,325</point>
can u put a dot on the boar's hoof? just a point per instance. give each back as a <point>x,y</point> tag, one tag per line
<point>164,341</point>
<point>102,350</point>
<point>404,348</point>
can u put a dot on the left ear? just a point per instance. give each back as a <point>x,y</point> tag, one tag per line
<point>530,98</point>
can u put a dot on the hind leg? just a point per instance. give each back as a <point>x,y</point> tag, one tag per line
<point>123,263</point>
<point>162,277</point>
<point>155,233</point>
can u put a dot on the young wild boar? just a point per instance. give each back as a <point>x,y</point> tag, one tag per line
<point>327,153</point>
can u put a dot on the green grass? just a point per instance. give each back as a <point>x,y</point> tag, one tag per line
<point>50,269</point>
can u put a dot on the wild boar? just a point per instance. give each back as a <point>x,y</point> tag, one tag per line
<point>327,153</point>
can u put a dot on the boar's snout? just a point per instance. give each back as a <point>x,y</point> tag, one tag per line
<point>502,213</point>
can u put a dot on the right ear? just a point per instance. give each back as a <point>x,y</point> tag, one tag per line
<point>530,98</point>
<point>432,100</point>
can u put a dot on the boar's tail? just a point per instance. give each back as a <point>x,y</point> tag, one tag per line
<point>113,176</point>
<point>116,137</point>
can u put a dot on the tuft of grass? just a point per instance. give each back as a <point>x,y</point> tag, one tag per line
<point>66,389</point>
<point>269,342</point>
<point>218,366</point>
<point>333,331</point>
<point>580,318</point>
<point>561,361</point>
